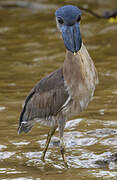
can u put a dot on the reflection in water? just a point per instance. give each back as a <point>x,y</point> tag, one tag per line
<point>29,50</point>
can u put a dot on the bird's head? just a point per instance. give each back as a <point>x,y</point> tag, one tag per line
<point>68,22</point>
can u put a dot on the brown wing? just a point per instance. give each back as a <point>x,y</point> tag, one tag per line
<point>46,98</point>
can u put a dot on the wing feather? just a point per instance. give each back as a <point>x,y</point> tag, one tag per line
<point>45,99</point>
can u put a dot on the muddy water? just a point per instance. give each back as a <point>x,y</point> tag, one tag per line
<point>30,48</point>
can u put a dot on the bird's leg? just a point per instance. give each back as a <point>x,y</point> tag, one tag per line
<point>62,149</point>
<point>61,125</point>
<point>50,134</point>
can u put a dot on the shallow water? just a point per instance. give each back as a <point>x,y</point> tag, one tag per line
<point>30,48</point>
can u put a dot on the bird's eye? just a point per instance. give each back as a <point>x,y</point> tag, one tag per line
<point>60,21</point>
<point>78,19</point>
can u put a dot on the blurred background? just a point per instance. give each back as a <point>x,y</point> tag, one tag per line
<point>31,48</point>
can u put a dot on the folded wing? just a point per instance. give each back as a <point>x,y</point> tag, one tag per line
<point>44,101</point>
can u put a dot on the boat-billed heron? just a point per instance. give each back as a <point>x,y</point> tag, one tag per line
<point>67,91</point>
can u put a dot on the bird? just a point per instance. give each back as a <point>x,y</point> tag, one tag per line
<point>67,91</point>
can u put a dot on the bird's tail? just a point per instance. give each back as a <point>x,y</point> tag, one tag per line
<point>24,126</point>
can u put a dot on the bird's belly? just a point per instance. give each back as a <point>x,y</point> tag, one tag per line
<point>47,121</point>
<point>76,105</point>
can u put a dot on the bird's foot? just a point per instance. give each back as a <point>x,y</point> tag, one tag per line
<point>62,149</point>
<point>63,156</point>
<point>43,156</point>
